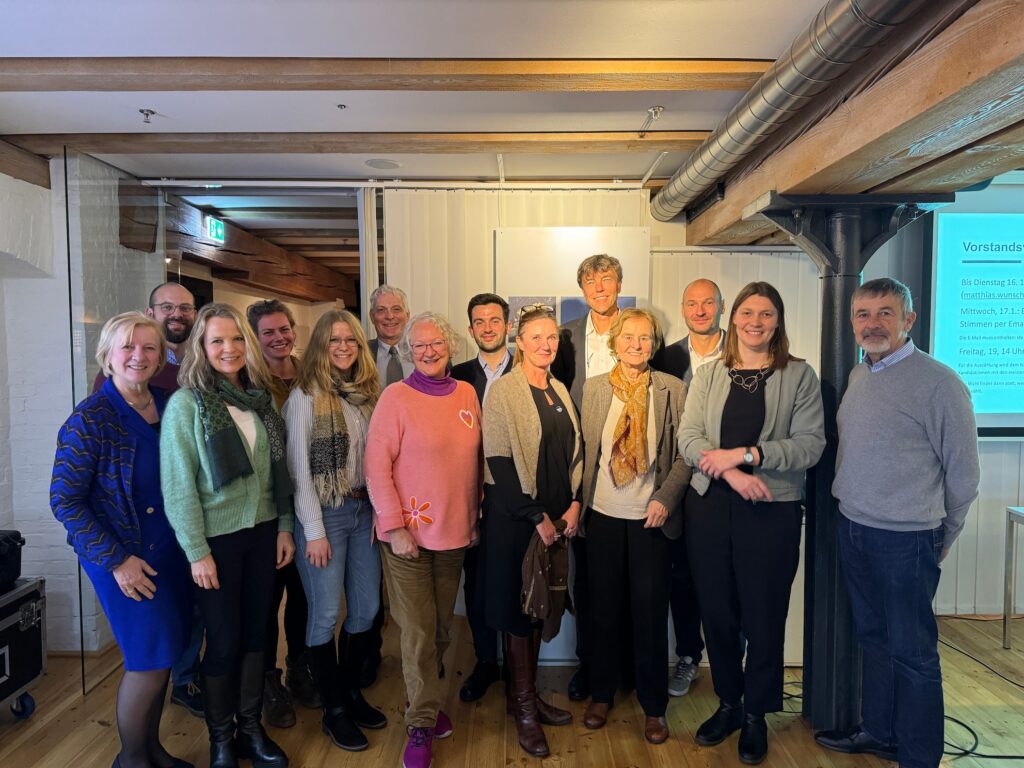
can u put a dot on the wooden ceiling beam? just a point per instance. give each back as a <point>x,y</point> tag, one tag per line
<point>161,73</point>
<point>296,242</point>
<point>962,87</point>
<point>18,163</point>
<point>358,143</point>
<point>247,258</point>
<point>328,235</point>
<point>977,162</point>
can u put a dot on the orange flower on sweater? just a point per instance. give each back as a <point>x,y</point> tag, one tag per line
<point>414,517</point>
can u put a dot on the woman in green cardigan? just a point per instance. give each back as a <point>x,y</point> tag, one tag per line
<point>225,480</point>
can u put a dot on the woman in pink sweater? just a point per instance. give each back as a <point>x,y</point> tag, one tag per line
<point>424,465</point>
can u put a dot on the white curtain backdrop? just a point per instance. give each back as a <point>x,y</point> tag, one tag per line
<point>440,243</point>
<point>366,207</point>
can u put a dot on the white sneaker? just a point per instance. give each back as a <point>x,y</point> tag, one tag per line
<point>685,673</point>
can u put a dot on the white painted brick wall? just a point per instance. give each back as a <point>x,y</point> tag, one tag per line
<point>35,370</point>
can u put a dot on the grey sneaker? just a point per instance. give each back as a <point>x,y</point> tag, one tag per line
<point>684,674</point>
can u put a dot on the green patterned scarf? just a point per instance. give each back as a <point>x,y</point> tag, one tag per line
<point>329,442</point>
<point>227,456</point>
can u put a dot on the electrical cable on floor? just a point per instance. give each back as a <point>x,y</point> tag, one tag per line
<point>960,751</point>
<point>971,750</point>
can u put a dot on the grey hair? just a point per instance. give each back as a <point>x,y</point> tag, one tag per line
<point>886,286</point>
<point>380,290</point>
<point>448,333</point>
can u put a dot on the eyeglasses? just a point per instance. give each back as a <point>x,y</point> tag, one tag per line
<point>167,308</point>
<point>348,342</point>
<point>419,348</point>
<point>538,307</point>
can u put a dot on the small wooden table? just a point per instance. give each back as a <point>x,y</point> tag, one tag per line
<point>1014,516</point>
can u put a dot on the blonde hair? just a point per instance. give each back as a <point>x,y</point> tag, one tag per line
<point>633,313</point>
<point>120,328</point>
<point>317,373</point>
<point>527,315</point>
<point>196,371</point>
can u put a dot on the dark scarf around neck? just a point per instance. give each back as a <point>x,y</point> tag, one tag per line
<point>225,451</point>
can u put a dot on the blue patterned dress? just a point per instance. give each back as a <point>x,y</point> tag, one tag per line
<point>106,491</point>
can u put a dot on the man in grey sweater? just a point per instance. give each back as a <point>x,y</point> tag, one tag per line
<point>906,474</point>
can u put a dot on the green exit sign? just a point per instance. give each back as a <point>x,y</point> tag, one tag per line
<point>214,229</point>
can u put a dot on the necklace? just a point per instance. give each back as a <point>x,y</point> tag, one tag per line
<point>749,383</point>
<point>136,406</point>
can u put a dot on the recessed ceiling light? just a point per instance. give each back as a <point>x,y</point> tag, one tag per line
<point>383,164</point>
<point>343,106</point>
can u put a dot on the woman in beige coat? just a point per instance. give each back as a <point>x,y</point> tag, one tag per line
<point>633,481</point>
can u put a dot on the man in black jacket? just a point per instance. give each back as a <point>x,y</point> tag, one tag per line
<point>702,312</point>
<point>489,328</point>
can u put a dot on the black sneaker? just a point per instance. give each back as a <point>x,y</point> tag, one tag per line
<point>189,696</point>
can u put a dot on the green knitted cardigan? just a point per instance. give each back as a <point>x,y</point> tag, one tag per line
<point>194,508</point>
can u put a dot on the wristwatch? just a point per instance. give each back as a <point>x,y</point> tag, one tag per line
<point>748,456</point>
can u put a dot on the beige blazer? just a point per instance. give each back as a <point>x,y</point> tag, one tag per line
<point>671,472</point>
<point>512,428</point>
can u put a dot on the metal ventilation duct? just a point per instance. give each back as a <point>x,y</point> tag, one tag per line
<point>842,33</point>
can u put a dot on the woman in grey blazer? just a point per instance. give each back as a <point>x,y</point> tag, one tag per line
<point>633,480</point>
<point>752,426</point>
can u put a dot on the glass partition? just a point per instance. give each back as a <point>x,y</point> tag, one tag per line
<point>115,257</point>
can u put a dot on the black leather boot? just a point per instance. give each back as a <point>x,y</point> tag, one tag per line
<point>714,730</point>
<point>220,700</point>
<point>753,744</point>
<point>337,723</point>
<point>352,654</point>
<point>253,742</point>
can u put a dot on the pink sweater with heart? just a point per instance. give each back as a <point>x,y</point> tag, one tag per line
<point>424,465</point>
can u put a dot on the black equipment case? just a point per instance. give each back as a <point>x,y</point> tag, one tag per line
<point>22,643</point>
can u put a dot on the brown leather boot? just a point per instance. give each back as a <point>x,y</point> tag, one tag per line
<point>547,713</point>
<point>523,686</point>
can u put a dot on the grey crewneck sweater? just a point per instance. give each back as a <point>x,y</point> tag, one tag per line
<point>908,448</point>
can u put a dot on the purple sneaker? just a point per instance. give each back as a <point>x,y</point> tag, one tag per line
<point>443,726</point>
<point>418,750</point>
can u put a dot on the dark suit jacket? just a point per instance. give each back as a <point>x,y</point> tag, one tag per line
<point>471,372</point>
<point>570,363</point>
<point>673,358</point>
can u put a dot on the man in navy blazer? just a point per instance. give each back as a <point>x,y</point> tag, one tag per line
<point>489,328</point>
<point>702,312</point>
<point>583,352</point>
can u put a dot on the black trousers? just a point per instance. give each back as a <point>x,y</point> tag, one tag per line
<point>485,638</point>
<point>296,610</point>
<point>629,586</point>
<point>236,614</point>
<point>683,599</point>
<point>744,557</point>
<point>581,598</point>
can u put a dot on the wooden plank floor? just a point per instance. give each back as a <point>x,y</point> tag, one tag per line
<point>71,730</point>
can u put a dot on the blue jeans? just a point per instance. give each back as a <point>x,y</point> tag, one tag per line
<point>892,577</point>
<point>354,566</point>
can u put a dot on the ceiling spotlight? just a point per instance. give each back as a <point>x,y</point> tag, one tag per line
<point>343,106</point>
<point>146,115</point>
<point>653,113</point>
<point>383,164</point>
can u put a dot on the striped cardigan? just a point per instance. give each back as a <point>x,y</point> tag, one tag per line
<point>91,489</point>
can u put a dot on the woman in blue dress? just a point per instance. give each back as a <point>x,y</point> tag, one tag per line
<point>106,492</point>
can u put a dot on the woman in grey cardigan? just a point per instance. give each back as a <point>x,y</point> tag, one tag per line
<point>633,480</point>
<point>752,426</point>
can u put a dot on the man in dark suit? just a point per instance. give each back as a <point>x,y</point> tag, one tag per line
<point>702,312</point>
<point>389,313</point>
<point>489,328</point>
<point>583,352</point>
